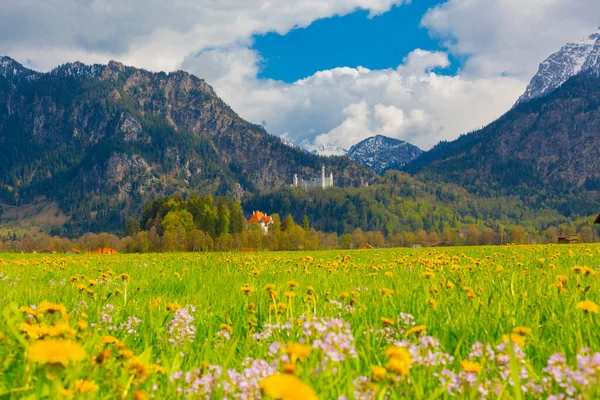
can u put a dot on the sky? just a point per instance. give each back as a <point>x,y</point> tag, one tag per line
<point>319,71</point>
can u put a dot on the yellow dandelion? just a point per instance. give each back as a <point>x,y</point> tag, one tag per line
<point>578,270</point>
<point>378,373</point>
<point>298,351</point>
<point>417,330</point>
<point>470,366</point>
<point>287,387</point>
<point>110,340</point>
<point>387,321</point>
<point>247,289</point>
<point>399,360</point>
<point>289,368</point>
<point>55,352</point>
<point>522,330</point>
<point>51,307</point>
<point>515,338</point>
<point>588,306</point>
<point>85,386</point>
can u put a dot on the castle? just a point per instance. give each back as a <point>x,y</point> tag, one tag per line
<point>323,181</point>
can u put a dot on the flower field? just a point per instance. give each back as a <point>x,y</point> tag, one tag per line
<point>481,322</point>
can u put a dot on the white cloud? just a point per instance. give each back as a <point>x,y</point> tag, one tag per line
<point>345,105</point>
<point>510,36</point>
<point>153,34</point>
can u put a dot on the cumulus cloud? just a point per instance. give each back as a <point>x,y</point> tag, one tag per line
<point>153,34</point>
<point>510,37</point>
<point>342,106</point>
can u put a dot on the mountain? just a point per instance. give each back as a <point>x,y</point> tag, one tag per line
<point>100,140</point>
<point>328,150</point>
<point>382,153</point>
<point>573,58</point>
<point>546,150</point>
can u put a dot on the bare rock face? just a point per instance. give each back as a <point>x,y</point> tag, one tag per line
<point>132,129</point>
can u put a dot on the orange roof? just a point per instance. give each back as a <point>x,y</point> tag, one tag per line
<point>267,219</point>
<point>105,250</point>
<point>256,217</point>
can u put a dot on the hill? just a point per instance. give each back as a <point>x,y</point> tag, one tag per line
<point>546,150</point>
<point>100,140</point>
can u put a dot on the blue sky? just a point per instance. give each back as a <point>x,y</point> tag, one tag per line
<point>352,40</point>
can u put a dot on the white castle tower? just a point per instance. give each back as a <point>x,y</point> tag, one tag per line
<point>324,181</point>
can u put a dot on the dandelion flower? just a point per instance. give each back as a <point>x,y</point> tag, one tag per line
<point>417,330</point>
<point>399,360</point>
<point>51,307</point>
<point>387,321</point>
<point>378,373</point>
<point>286,387</point>
<point>110,340</point>
<point>522,330</point>
<point>85,386</point>
<point>247,289</point>
<point>588,306</point>
<point>470,366</point>
<point>289,368</point>
<point>515,338</point>
<point>298,351</point>
<point>55,352</point>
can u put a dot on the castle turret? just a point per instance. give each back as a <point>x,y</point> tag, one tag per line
<point>323,177</point>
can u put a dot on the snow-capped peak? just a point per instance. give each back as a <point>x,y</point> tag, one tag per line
<point>572,59</point>
<point>328,150</point>
<point>382,153</point>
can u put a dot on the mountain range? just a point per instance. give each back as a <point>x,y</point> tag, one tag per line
<point>100,140</point>
<point>547,148</point>
<point>86,145</point>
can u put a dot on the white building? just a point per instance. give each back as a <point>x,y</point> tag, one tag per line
<point>324,181</point>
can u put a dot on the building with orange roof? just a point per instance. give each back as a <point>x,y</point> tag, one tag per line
<point>263,220</point>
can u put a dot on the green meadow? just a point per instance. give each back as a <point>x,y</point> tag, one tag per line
<point>479,322</point>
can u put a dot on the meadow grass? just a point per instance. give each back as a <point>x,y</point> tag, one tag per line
<point>215,325</point>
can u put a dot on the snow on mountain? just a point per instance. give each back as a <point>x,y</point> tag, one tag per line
<point>328,150</point>
<point>382,153</point>
<point>572,59</point>
<point>10,69</point>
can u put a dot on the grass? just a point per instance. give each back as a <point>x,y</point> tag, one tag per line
<point>461,296</point>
